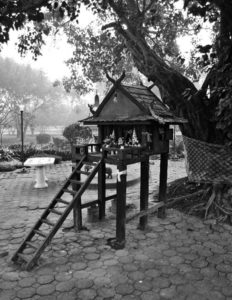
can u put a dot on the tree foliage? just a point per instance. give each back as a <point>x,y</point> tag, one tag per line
<point>147,30</point>
<point>75,131</point>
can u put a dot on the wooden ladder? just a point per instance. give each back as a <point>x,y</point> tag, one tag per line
<point>38,238</point>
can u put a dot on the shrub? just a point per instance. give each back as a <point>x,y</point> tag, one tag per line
<point>6,154</point>
<point>43,138</point>
<point>32,151</point>
<point>61,144</point>
<point>75,131</point>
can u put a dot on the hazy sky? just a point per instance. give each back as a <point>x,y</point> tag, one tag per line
<point>54,53</point>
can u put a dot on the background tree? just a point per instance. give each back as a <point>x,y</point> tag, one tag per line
<point>24,86</point>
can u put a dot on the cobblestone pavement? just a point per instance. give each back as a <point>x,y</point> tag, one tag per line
<point>179,257</point>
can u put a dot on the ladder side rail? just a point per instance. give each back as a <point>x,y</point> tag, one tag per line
<point>45,213</point>
<point>63,217</point>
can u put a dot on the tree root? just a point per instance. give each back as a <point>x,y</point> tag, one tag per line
<point>173,201</point>
<point>206,200</point>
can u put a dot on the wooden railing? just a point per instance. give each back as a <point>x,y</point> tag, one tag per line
<point>125,153</point>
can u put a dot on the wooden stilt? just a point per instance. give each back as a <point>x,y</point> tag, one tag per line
<point>77,213</point>
<point>121,207</point>
<point>163,183</point>
<point>102,191</point>
<point>144,192</point>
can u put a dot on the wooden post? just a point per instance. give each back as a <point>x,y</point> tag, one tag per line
<point>102,190</point>
<point>77,214</point>
<point>163,183</point>
<point>121,206</point>
<point>144,191</point>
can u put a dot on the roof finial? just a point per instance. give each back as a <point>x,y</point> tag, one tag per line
<point>115,82</point>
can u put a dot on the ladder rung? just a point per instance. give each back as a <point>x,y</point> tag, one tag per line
<point>69,191</point>
<point>48,222</point>
<point>20,255</point>
<point>32,245</point>
<point>39,232</point>
<point>82,172</point>
<point>75,181</point>
<point>91,164</point>
<point>62,201</point>
<point>55,211</point>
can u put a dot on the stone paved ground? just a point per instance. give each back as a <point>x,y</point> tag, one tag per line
<point>179,257</point>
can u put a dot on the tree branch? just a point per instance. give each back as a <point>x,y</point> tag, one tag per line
<point>110,25</point>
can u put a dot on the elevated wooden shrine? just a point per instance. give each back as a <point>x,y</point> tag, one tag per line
<point>133,124</point>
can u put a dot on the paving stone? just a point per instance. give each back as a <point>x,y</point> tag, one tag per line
<point>215,259</point>
<point>27,282</point>
<point>199,263</point>
<point>10,276</point>
<point>150,296</point>
<point>168,293</point>
<point>169,253</point>
<point>87,294</point>
<point>182,249</point>
<point>176,260</point>
<point>131,297</point>
<point>66,295</point>
<point>187,289</point>
<point>110,262</point>
<point>106,293</point>
<point>124,289</point>
<point>215,295</point>
<point>143,285</point>
<point>161,282</point>
<point>45,271</point>
<point>114,270</point>
<point>137,275</point>
<point>152,273</point>
<point>99,272</point>
<point>51,297</point>
<point>102,281</point>
<point>81,274</point>
<point>225,268</point>
<point>45,289</point>
<point>194,275</point>
<point>63,276</point>
<point>209,272</point>
<point>125,259</point>
<point>177,279</point>
<point>7,294</point>
<point>122,252</point>
<point>119,278</point>
<point>95,264</point>
<point>168,270</point>
<point>92,256</point>
<point>196,296</point>
<point>79,266</point>
<point>26,293</point>
<point>84,283</point>
<point>65,286</point>
<point>7,285</point>
<point>220,282</point>
<point>190,256</point>
<point>44,279</point>
<point>227,291</point>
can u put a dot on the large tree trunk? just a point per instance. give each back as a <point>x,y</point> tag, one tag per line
<point>181,95</point>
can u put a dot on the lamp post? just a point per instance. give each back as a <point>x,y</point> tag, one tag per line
<point>21,107</point>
